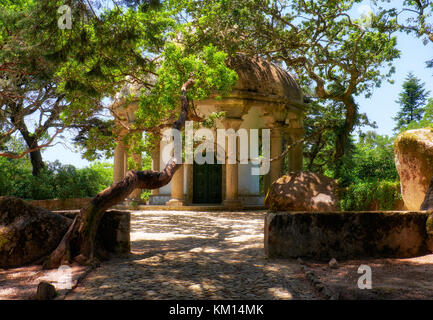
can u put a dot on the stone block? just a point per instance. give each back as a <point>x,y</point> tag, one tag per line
<point>113,232</point>
<point>345,235</point>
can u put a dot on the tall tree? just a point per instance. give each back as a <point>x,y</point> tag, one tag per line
<point>59,79</point>
<point>29,103</point>
<point>194,77</point>
<point>412,100</point>
<point>341,57</point>
<point>93,60</point>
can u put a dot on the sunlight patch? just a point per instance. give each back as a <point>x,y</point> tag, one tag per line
<point>139,235</point>
<point>280,293</point>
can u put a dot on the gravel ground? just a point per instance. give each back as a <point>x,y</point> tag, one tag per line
<point>219,255</point>
<point>196,255</point>
<point>391,279</point>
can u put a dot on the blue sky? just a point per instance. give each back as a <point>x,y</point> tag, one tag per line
<point>380,107</point>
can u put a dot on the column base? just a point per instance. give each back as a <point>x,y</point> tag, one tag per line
<point>175,203</point>
<point>233,204</point>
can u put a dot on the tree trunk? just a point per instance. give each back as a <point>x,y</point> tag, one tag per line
<point>79,241</point>
<point>37,163</point>
<point>35,156</point>
<point>343,135</point>
<point>17,118</point>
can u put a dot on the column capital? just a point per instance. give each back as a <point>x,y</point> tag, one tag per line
<point>277,130</point>
<point>232,123</point>
<point>295,133</point>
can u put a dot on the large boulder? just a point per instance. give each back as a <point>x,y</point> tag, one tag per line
<point>28,233</point>
<point>303,191</point>
<point>414,163</point>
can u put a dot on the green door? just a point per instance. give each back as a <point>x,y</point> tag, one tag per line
<point>207,183</point>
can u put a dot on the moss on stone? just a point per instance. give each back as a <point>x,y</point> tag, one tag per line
<point>3,240</point>
<point>429,225</point>
<point>411,140</point>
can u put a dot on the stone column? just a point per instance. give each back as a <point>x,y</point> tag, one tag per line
<point>231,195</point>
<point>276,150</point>
<point>177,194</point>
<point>189,183</point>
<point>119,162</point>
<point>155,167</point>
<point>266,182</point>
<point>296,154</point>
<point>136,194</point>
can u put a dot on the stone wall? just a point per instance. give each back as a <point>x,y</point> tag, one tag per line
<point>346,235</point>
<point>113,231</point>
<point>61,204</point>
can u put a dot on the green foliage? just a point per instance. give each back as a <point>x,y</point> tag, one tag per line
<point>56,180</point>
<point>323,123</point>
<point>370,177</point>
<point>330,51</point>
<point>326,47</point>
<point>374,158</point>
<point>412,100</point>
<point>206,68</point>
<point>367,174</point>
<point>427,119</point>
<point>361,196</point>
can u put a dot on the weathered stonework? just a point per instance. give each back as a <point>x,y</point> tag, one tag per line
<point>414,163</point>
<point>113,231</point>
<point>29,233</point>
<point>302,191</point>
<point>345,235</point>
<point>61,204</point>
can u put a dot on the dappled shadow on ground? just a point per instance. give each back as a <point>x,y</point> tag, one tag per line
<point>196,255</point>
<point>220,255</point>
<point>409,278</point>
<point>21,283</point>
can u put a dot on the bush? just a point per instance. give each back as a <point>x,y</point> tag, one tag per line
<point>55,181</point>
<point>360,196</point>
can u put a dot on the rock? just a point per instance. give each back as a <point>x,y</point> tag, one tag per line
<point>414,163</point>
<point>302,191</point>
<point>45,291</point>
<point>27,233</point>
<point>427,204</point>
<point>333,264</point>
<point>429,229</point>
<point>113,235</point>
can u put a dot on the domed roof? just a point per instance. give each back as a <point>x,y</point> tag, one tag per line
<point>266,78</point>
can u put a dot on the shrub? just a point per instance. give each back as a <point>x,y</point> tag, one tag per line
<point>360,196</point>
